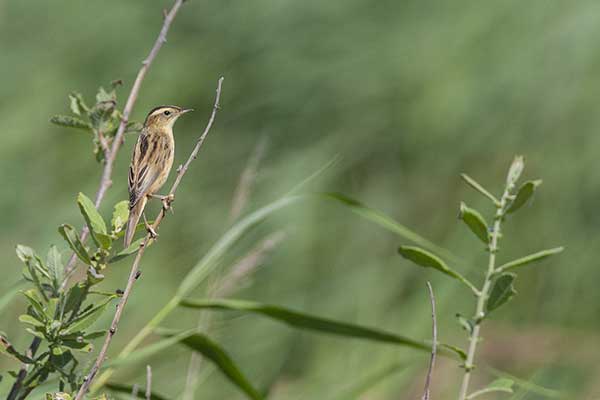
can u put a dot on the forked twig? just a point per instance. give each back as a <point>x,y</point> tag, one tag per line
<point>111,156</point>
<point>433,345</point>
<point>135,271</point>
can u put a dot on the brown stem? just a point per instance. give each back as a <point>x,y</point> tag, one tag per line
<point>106,180</point>
<point>134,274</point>
<point>111,155</point>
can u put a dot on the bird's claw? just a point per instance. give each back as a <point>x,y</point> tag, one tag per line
<point>167,201</point>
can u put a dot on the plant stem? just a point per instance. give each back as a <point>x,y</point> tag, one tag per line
<point>484,292</point>
<point>134,273</point>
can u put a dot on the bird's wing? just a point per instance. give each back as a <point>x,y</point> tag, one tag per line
<point>142,173</point>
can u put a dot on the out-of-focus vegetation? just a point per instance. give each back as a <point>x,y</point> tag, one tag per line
<point>408,94</point>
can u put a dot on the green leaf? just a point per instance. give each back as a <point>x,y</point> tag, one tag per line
<point>466,323</point>
<point>75,295</point>
<point>120,216</point>
<point>34,265</point>
<point>25,253</point>
<point>499,385</point>
<point>103,95</point>
<point>7,348</point>
<point>532,258</point>
<point>525,193</point>
<point>475,222</point>
<point>502,291</point>
<point>306,321</point>
<point>35,301</point>
<point>70,235</point>
<point>94,221</point>
<point>212,258</point>
<point>461,353</point>
<point>149,350</point>
<point>132,249</point>
<point>120,388</point>
<point>70,122</point>
<point>388,223</point>
<point>51,308</point>
<point>475,185</point>
<point>80,346</point>
<point>30,320</point>
<point>88,318</point>
<point>426,259</point>
<point>133,127</point>
<point>77,104</point>
<point>214,352</point>
<point>55,266</point>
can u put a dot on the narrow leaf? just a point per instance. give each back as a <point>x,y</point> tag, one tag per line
<point>502,291</point>
<point>475,185</point>
<point>212,258</point>
<point>88,318</point>
<point>94,221</point>
<point>499,385</point>
<point>132,249</point>
<point>77,104</point>
<point>55,266</point>
<point>70,122</point>
<point>532,258</point>
<point>120,215</point>
<point>214,352</point>
<point>388,223</point>
<point>30,320</point>
<point>306,321</point>
<point>70,235</point>
<point>475,222</point>
<point>150,350</point>
<point>35,301</point>
<point>525,193</point>
<point>7,348</point>
<point>426,259</point>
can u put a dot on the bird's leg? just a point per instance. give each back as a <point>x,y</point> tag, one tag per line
<point>149,228</point>
<point>165,199</point>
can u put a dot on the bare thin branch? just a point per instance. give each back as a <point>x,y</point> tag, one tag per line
<point>134,274</point>
<point>148,382</point>
<point>433,345</point>
<point>111,155</point>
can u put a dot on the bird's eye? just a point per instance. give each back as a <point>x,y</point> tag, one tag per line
<point>167,113</point>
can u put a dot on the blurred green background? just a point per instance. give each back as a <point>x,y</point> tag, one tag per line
<point>408,94</point>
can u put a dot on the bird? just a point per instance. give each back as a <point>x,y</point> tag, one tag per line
<point>151,163</point>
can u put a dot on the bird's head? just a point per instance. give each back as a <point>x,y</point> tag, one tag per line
<point>162,117</point>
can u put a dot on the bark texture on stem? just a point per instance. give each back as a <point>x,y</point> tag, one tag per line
<point>134,274</point>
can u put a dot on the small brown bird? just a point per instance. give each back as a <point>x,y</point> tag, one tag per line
<point>151,162</point>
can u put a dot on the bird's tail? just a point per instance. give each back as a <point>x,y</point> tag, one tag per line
<point>134,216</point>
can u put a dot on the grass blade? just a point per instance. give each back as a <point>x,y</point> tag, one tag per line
<point>214,352</point>
<point>388,223</point>
<point>308,322</point>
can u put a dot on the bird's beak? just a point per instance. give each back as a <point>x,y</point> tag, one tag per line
<point>186,110</point>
